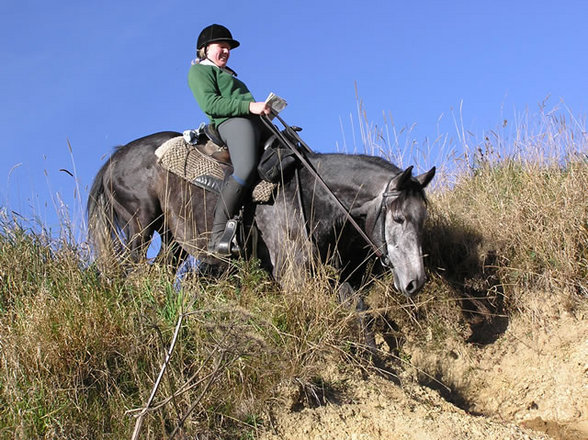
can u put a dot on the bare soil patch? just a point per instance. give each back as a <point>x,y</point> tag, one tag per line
<point>531,383</point>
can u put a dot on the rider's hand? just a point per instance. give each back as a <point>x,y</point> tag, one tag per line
<point>259,108</point>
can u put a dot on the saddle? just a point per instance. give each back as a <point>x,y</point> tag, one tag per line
<point>200,160</point>
<point>207,140</point>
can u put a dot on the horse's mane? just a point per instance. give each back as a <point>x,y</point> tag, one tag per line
<point>359,162</point>
<point>359,169</point>
<point>364,158</point>
<point>363,163</point>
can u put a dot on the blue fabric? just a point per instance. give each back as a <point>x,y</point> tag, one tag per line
<point>190,265</point>
<point>239,180</point>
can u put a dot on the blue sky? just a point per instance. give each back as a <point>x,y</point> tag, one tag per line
<point>100,74</point>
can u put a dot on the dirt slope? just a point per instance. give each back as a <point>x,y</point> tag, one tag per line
<point>531,383</point>
<point>381,410</point>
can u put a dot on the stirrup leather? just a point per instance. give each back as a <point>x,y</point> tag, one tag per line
<point>227,243</point>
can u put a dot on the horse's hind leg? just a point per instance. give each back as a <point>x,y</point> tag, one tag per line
<point>139,238</point>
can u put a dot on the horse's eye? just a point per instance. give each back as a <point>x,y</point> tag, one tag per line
<point>398,219</point>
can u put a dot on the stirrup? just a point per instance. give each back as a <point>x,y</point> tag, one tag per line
<point>227,243</point>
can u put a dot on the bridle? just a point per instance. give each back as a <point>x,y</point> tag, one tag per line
<point>388,194</point>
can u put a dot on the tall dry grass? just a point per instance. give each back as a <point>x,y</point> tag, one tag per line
<point>526,210</point>
<point>508,233</point>
<point>81,353</point>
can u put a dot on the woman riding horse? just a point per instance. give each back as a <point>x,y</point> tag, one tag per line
<point>133,196</point>
<point>230,106</point>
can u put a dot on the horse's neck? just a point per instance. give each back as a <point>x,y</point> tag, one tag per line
<point>356,181</point>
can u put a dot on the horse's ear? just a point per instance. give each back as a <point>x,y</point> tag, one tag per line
<point>402,179</point>
<point>425,178</point>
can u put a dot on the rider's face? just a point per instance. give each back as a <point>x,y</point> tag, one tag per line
<point>219,53</point>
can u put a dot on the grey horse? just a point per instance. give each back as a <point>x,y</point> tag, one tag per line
<point>132,197</point>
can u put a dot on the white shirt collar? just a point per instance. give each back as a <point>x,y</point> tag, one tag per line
<point>207,62</point>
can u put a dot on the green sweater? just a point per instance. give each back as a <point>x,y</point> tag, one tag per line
<point>219,94</point>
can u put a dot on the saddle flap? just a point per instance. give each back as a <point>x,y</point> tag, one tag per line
<point>209,183</point>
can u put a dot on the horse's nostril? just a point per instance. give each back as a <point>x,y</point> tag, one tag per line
<point>413,287</point>
<point>410,287</point>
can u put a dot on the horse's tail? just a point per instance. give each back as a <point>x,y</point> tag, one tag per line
<point>104,225</point>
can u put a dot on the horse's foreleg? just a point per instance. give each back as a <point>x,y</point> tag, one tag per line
<point>170,253</point>
<point>352,299</point>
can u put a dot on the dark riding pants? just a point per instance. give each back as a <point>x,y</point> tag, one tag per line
<point>243,137</point>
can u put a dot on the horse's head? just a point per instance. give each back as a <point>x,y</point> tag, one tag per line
<point>405,211</point>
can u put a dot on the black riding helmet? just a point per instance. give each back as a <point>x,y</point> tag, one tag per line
<point>215,33</point>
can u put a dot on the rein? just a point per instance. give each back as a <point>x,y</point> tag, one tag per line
<point>382,255</point>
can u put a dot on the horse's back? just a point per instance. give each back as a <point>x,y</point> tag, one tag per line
<point>154,140</point>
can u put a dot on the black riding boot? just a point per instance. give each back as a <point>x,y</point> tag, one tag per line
<point>223,227</point>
